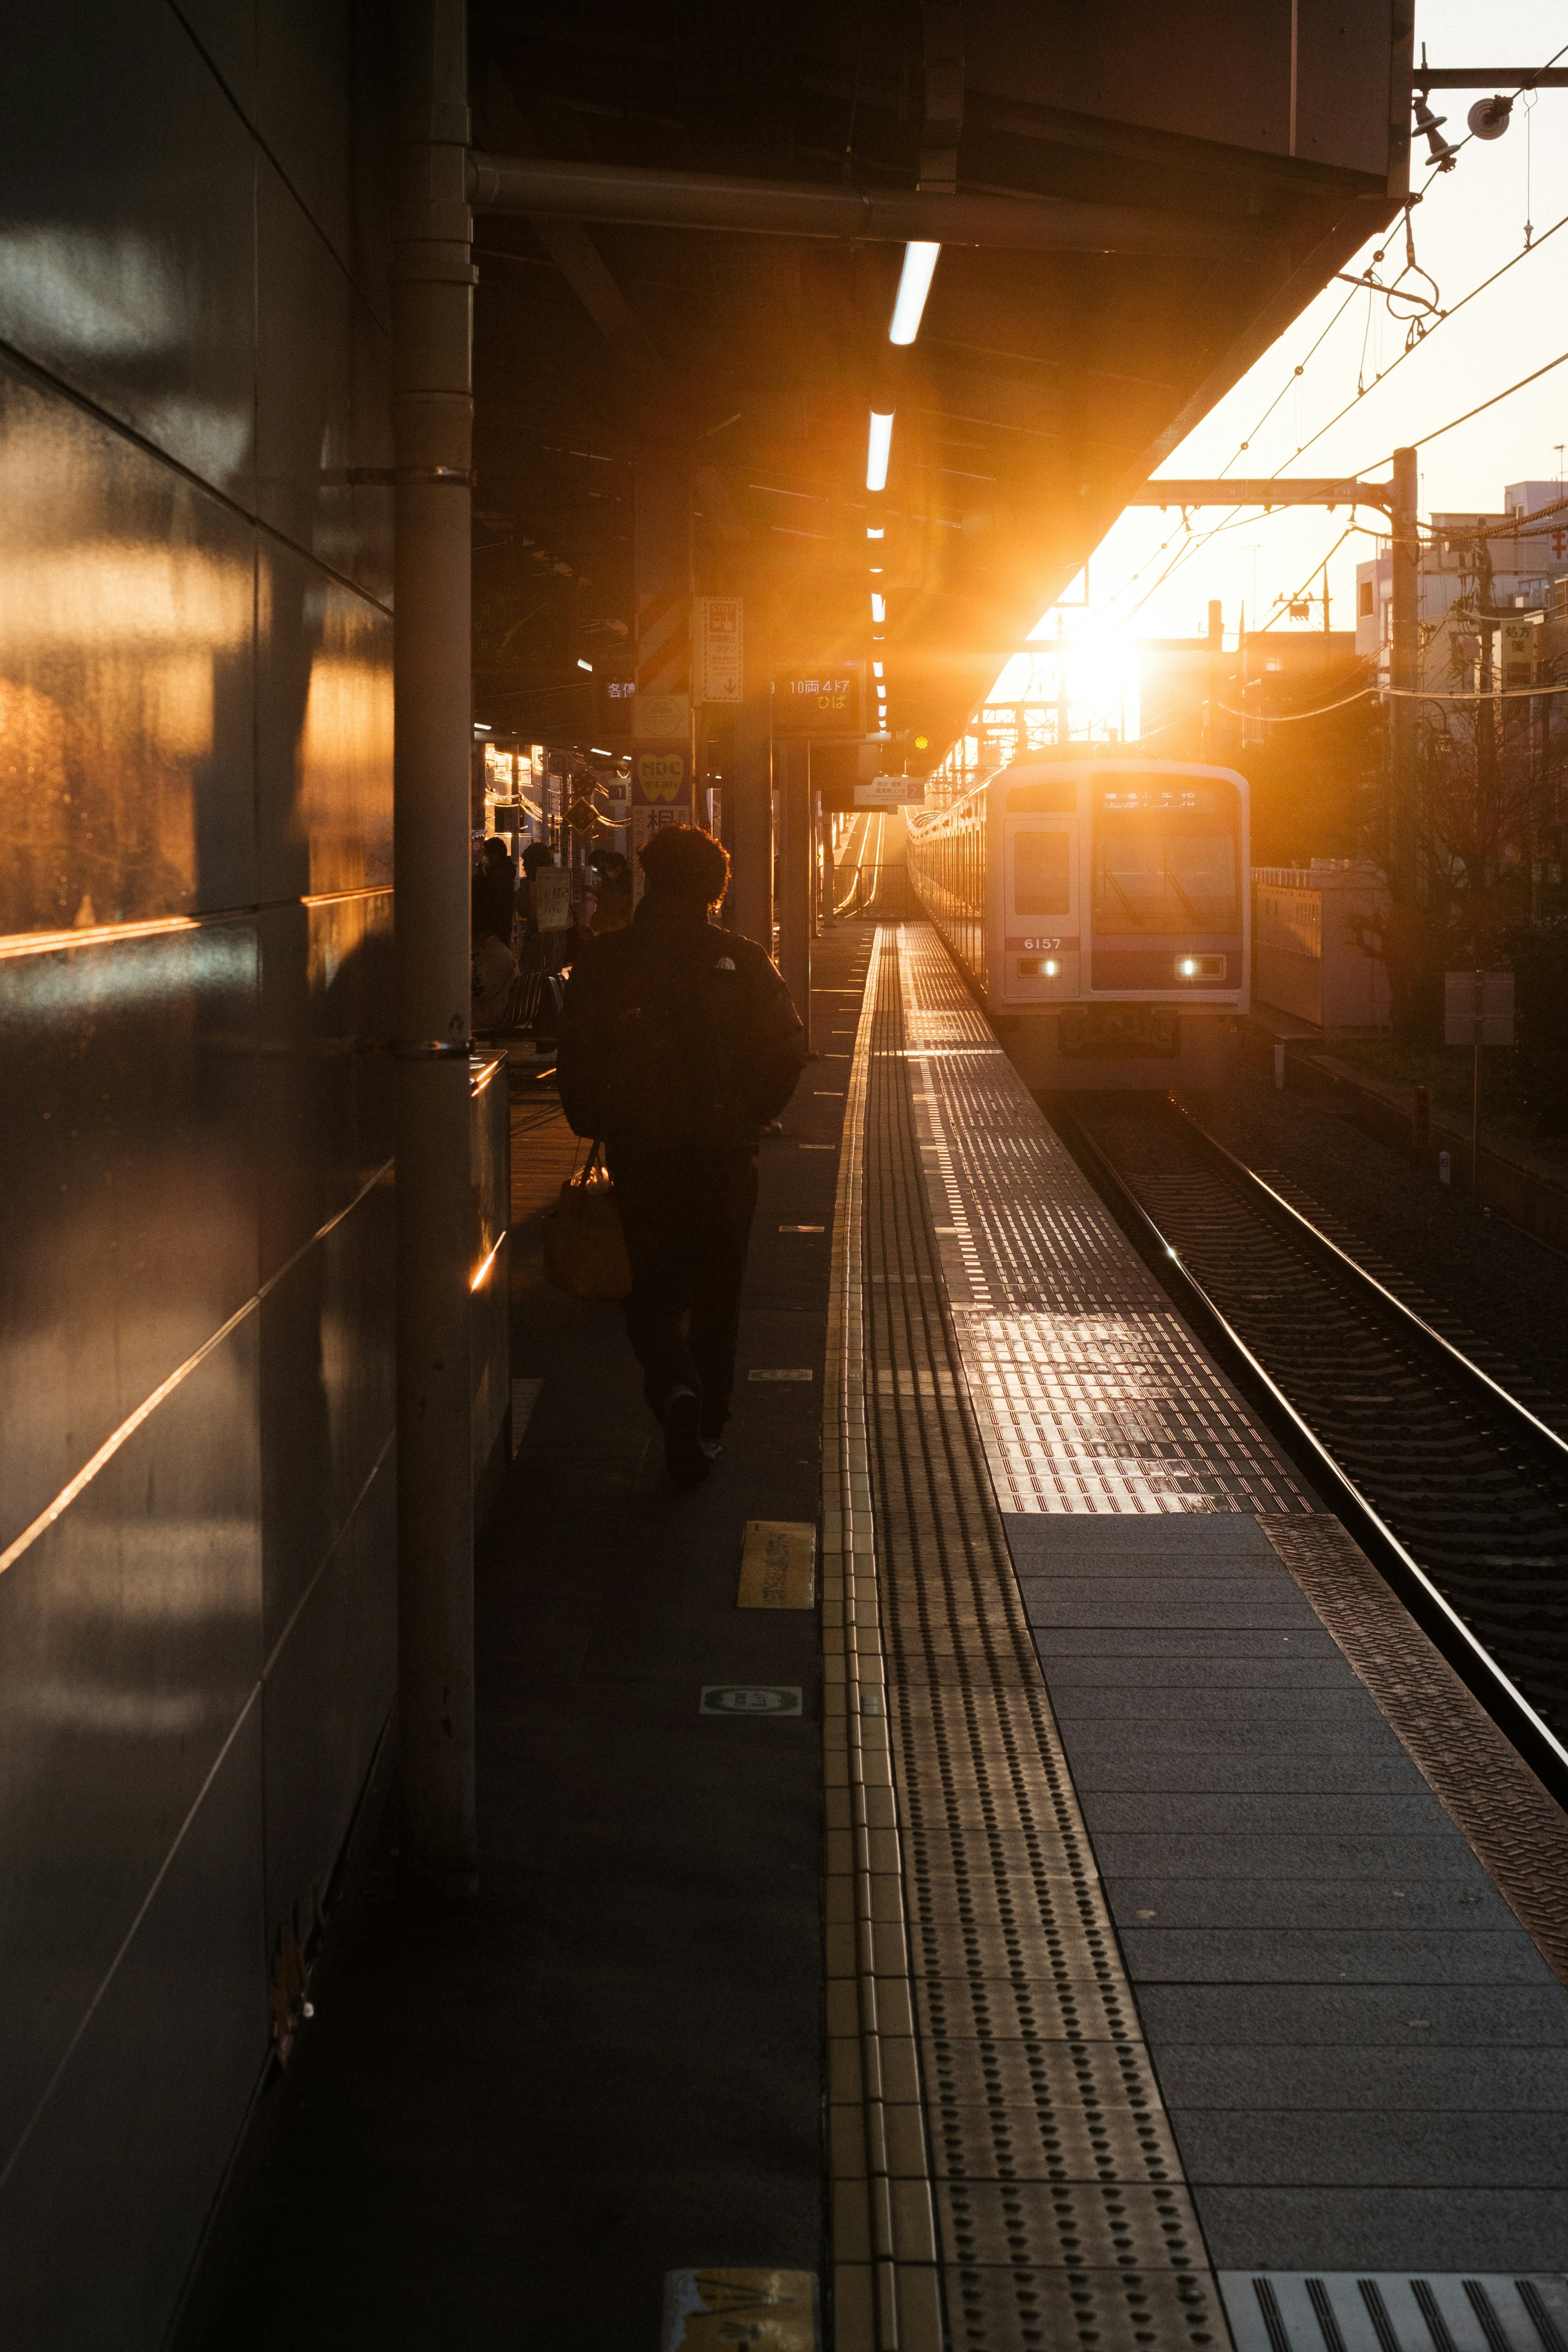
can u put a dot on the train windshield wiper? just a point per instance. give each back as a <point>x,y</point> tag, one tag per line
<point>1137,917</point>
<point>1180,894</point>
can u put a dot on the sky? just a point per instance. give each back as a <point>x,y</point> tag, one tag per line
<point>1470,221</point>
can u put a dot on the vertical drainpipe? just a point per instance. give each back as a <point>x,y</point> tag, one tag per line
<point>431,410</point>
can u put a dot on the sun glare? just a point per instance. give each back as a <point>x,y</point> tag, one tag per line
<point>1086,691</point>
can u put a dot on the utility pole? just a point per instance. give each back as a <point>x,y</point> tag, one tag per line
<point>1404,677</point>
<point>431,416</point>
<point>1216,653</point>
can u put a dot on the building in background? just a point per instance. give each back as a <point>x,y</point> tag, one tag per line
<point>1477,575</point>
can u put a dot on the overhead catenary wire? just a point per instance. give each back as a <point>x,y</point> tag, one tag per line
<point>1511,263</point>
<point>1398,694</point>
<point>1192,542</point>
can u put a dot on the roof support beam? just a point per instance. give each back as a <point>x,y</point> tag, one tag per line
<point>1305,490</point>
<point>1488,78</point>
<point>540,188</point>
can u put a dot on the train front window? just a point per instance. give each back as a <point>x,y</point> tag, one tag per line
<point>1167,868</point>
<point>1042,883</point>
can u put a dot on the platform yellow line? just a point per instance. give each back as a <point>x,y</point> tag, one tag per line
<point>886,2295</point>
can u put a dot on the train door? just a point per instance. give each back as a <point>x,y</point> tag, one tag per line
<point>1041,899</point>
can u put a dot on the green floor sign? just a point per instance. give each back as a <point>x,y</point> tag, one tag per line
<point>750,1699</point>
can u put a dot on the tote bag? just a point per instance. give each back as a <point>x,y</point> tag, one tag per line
<point>585,1249</point>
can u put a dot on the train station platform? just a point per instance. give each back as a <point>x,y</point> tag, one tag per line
<point>1100,1921</point>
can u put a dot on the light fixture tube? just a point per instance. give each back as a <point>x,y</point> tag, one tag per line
<point>876,532</point>
<point>878,607</point>
<point>875,669</point>
<point>583,665</point>
<point>878,449</point>
<point>914,284</point>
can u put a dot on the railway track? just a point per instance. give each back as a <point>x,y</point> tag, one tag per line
<point>1456,1486</point>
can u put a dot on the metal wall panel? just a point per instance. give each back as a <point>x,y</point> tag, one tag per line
<point>197,1589</point>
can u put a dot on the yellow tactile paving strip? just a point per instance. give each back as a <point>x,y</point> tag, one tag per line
<point>1003,2172</point>
<point>886,2292</point>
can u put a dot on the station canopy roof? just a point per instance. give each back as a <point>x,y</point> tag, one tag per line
<point>1139,200</point>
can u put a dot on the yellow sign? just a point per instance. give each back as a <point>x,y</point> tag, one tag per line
<point>724,2311</point>
<point>778,1565</point>
<point>661,774</point>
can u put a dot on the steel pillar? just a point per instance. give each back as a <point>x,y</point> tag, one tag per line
<point>749,815</point>
<point>1404,677</point>
<point>796,876</point>
<point>432,411</point>
<point>661,722</point>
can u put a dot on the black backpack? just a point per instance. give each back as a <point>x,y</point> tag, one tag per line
<point>674,1054</point>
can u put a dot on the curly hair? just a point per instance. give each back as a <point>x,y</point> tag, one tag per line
<point>683,862</point>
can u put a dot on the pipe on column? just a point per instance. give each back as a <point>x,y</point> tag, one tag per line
<point>432,413</point>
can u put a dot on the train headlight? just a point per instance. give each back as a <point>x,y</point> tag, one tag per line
<point>1200,967</point>
<point>1051,967</point>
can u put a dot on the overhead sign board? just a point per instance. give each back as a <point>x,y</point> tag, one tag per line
<point>891,792</point>
<point>827,699</point>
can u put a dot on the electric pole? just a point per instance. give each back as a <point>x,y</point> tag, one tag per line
<point>1404,678</point>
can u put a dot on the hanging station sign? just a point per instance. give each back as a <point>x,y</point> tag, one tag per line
<point>891,792</point>
<point>827,699</point>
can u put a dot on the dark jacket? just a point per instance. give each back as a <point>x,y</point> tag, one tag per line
<point>675,1036</point>
<point>492,899</point>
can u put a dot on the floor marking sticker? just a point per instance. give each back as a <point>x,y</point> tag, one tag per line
<point>759,1375</point>
<point>803,1229</point>
<point>772,2311</point>
<point>750,1698</point>
<point>778,1565</point>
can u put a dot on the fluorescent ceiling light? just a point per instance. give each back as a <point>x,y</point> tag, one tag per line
<point>480,727</point>
<point>878,606</point>
<point>583,665</point>
<point>875,534</point>
<point>877,448</point>
<point>595,753</point>
<point>914,284</point>
<point>875,669</point>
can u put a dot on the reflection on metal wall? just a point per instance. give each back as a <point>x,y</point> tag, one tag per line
<point>196,1557</point>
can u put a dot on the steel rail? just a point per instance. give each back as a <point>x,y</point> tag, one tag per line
<point>1507,1705</point>
<point>1533,1430</point>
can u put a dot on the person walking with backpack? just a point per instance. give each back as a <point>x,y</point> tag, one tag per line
<point>678,1044</point>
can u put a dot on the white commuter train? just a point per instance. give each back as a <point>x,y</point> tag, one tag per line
<point>1099,908</point>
